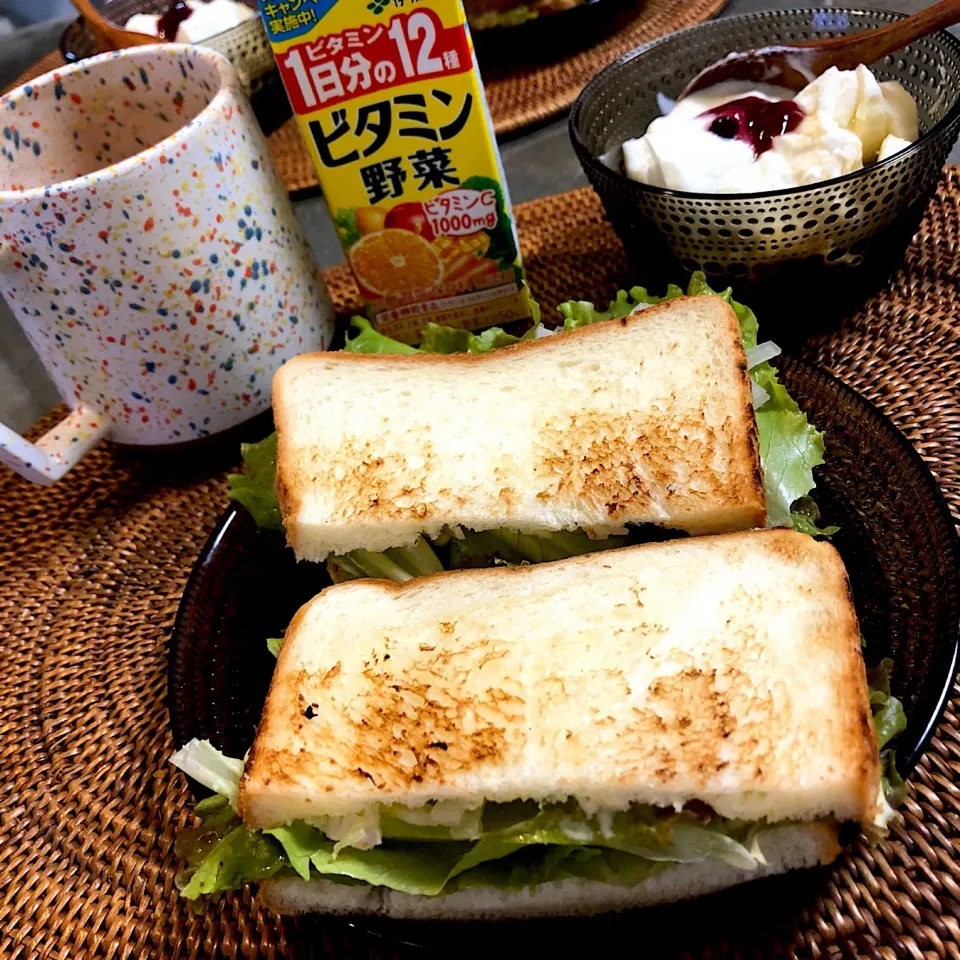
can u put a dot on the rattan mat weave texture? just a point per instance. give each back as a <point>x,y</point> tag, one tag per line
<point>91,571</point>
<point>518,97</point>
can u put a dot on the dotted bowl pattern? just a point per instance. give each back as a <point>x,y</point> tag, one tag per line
<point>838,224</point>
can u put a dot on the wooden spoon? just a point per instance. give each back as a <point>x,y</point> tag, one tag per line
<point>795,65</point>
<point>107,34</point>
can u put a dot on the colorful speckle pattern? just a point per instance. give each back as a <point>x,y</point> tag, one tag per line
<point>147,247</point>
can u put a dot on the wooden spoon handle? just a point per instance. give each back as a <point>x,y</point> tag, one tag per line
<point>873,45</point>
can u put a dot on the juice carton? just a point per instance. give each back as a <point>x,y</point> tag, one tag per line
<point>390,103</point>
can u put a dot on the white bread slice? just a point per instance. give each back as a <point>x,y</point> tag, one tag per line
<point>646,419</point>
<point>724,669</point>
<point>789,847</point>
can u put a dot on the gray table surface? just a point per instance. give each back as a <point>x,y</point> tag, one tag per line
<point>537,164</point>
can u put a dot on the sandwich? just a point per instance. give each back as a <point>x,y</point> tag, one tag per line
<point>659,414</point>
<point>622,728</point>
<point>374,452</point>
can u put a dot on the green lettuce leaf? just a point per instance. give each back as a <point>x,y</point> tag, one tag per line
<point>878,677</point>
<point>514,547</point>
<point>423,857</point>
<point>543,845</point>
<point>274,644</point>
<point>439,339</point>
<point>640,831</point>
<point>483,851</point>
<point>806,519</point>
<point>581,313</point>
<point>696,842</point>
<point>435,339</point>
<point>418,560</point>
<point>888,720</point>
<point>217,819</point>
<point>222,854</point>
<point>894,789</point>
<point>369,340</point>
<point>396,824</point>
<point>398,564</point>
<point>790,447</point>
<point>888,716</point>
<point>421,868</point>
<point>254,488</point>
<point>300,842</point>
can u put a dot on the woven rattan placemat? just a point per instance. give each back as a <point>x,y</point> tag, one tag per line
<point>92,569</point>
<point>517,97</point>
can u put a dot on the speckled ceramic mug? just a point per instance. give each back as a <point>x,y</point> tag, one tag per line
<point>149,252</point>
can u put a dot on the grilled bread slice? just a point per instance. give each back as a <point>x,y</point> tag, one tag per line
<point>724,670</point>
<point>644,419</point>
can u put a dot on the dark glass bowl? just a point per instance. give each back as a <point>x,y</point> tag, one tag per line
<point>838,239</point>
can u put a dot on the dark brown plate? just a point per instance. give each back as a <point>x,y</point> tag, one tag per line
<point>896,537</point>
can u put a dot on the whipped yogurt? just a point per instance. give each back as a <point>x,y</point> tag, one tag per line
<point>726,139</point>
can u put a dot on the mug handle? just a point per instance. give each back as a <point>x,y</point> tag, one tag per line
<point>57,450</point>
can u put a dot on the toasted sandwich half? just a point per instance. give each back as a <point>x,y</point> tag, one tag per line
<point>618,729</point>
<point>647,419</point>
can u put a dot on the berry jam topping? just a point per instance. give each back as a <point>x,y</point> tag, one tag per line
<point>754,120</point>
<point>169,22</point>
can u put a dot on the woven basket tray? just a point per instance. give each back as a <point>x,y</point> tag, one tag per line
<point>92,569</point>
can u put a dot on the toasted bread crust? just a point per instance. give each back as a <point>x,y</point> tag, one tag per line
<point>725,669</point>
<point>676,446</point>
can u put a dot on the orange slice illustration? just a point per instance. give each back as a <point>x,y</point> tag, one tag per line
<point>395,262</point>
